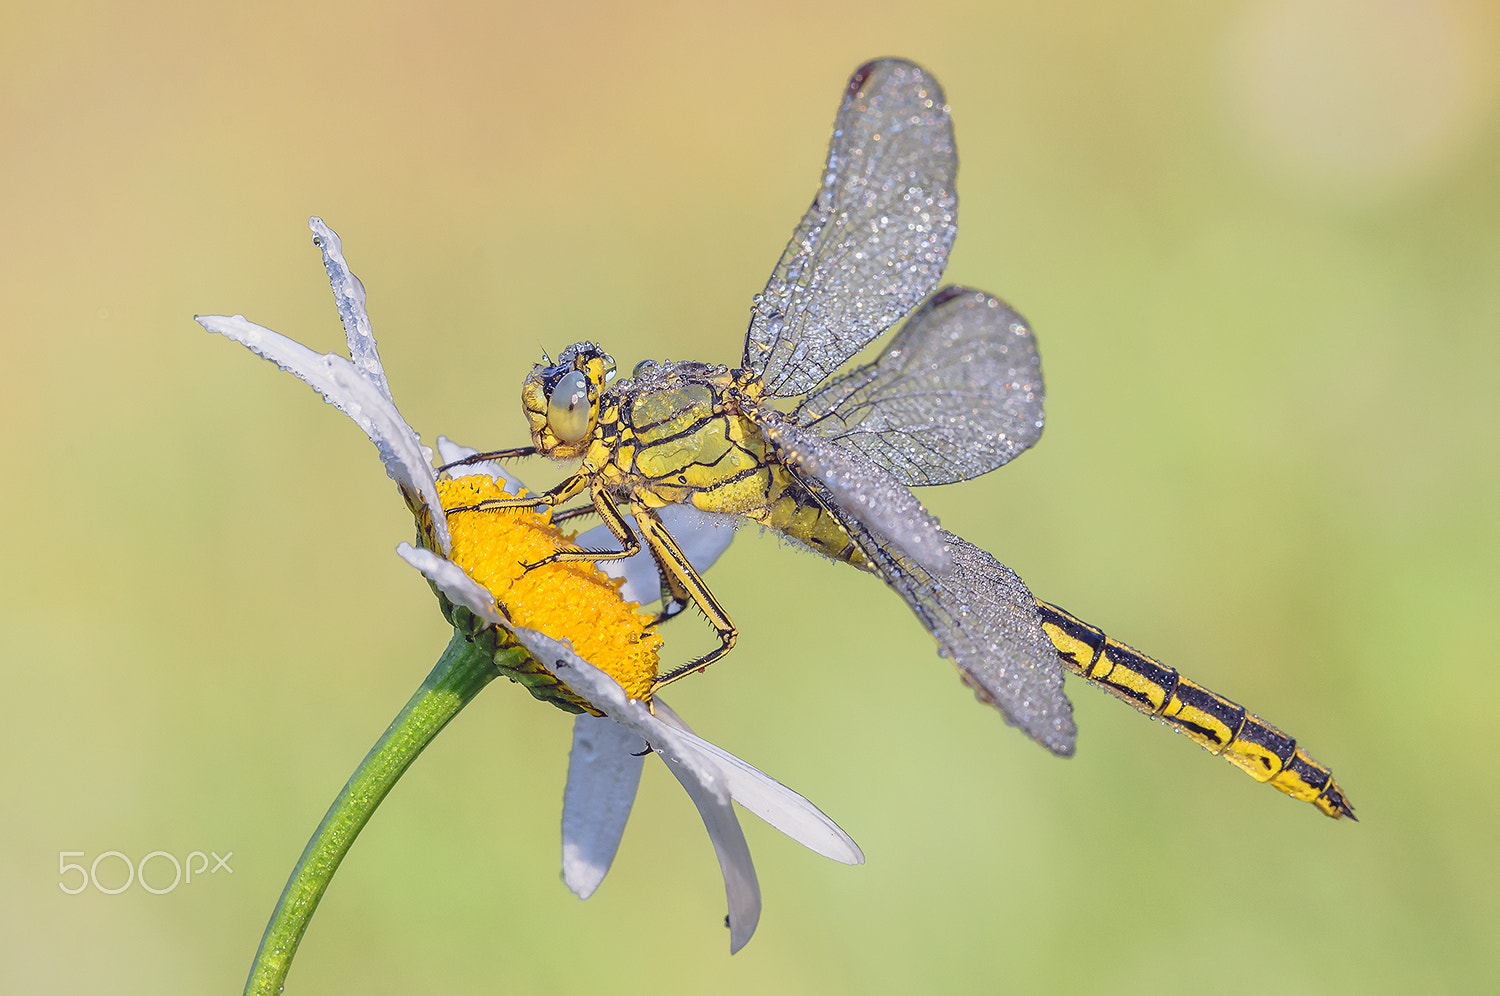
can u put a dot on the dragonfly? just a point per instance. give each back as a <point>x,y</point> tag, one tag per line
<point>827,456</point>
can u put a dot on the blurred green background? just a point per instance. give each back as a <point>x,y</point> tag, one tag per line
<point>1259,243</point>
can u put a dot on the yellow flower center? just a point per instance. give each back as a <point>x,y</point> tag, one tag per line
<point>573,601</point>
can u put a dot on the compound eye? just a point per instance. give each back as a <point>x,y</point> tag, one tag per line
<point>568,408</point>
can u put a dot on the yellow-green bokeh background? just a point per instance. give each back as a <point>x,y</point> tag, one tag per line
<point>1259,243</point>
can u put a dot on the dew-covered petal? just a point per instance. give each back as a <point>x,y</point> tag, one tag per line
<point>706,775</point>
<point>604,771</point>
<point>349,298</point>
<point>694,769</point>
<point>345,386</point>
<point>605,694</point>
<point>741,890</point>
<point>407,461</point>
<point>703,536</point>
<point>763,795</point>
<point>453,582</point>
<point>774,802</point>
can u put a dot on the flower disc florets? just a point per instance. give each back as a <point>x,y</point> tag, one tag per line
<point>573,601</point>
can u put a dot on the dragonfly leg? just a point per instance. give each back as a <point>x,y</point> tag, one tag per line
<point>520,451</point>
<point>558,518</point>
<point>605,506</point>
<point>674,597</point>
<point>681,584</point>
<point>565,491</point>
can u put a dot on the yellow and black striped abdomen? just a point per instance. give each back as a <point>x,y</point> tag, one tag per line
<point>1221,726</point>
<point>795,511</point>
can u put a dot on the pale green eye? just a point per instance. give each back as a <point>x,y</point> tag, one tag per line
<point>568,408</point>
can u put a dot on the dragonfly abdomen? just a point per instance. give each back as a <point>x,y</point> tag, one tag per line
<point>1222,727</point>
<point>791,509</point>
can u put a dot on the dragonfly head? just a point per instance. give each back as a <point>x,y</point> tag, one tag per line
<point>562,399</point>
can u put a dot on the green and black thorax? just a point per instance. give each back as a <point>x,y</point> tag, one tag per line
<point>677,433</point>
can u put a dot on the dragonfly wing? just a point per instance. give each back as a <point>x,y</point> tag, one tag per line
<point>862,491</point>
<point>876,238</point>
<point>985,620</point>
<point>957,393</point>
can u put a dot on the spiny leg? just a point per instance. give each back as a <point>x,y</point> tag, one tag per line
<point>520,451</point>
<point>682,583</point>
<point>674,594</point>
<point>605,506</point>
<point>558,518</point>
<point>674,597</point>
<point>569,489</point>
<point>565,491</point>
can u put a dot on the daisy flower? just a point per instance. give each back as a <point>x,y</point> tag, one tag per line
<point>567,632</point>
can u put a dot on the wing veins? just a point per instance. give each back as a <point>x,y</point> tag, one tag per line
<point>957,393</point>
<point>1003,654</point>
<point>866,250</point>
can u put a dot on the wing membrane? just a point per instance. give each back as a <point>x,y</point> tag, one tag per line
<point>876,238</point>
<point>957,393</point>
<point>860,490</point>
<point>985,620</point>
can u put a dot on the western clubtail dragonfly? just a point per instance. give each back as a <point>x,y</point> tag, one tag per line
<point>956,393</point>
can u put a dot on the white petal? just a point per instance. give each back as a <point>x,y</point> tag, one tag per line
<point>741,890</point>
<point>604,771</point>
<point>344,386</point>
<point>693,769</point>
<point>669,736</point>
<point>774,802</point>
<point>711,777</point>
<point>453,582</point>
<point>349,298</point>
<point>703,536</point>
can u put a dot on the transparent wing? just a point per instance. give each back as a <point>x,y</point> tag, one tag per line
<point>876,238</point>
<point>985,620</point>
<point>957,393</point>
<point>860,490</point>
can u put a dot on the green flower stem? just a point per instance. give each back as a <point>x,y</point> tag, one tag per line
<point>459,675</point>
